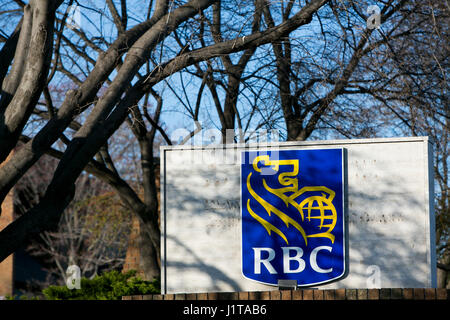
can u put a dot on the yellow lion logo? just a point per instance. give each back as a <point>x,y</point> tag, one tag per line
<point>323,202</point>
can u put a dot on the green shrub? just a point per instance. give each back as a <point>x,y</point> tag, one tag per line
<point>22,297</point>
<point>109,286</point>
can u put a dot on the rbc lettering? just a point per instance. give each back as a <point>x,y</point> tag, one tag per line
<point>293,260</point>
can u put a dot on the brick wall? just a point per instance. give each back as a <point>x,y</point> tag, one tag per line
<point>133,255</point>
<point>309,294</point>
<point>6,266</point>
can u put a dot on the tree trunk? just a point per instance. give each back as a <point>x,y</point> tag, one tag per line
<point>443,275</point>
<point>29,85</point>
<point>142,255</point>
<point>149,262</point>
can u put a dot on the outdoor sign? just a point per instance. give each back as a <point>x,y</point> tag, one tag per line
<point>293,216</point>
<point>323,214</point>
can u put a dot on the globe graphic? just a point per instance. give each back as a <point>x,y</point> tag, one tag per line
<point>319,211</point>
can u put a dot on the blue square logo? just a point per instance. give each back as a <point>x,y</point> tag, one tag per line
<point>293,216</point>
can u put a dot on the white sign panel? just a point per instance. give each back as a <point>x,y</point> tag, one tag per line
<point>213,241</point>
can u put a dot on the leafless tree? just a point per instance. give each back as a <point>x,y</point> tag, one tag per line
<point>312,68</point>
<point>108,88</point>
<point>93,230</point>
<point>417,97</point>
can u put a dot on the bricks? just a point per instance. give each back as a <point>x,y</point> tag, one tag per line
<point>309,294</point>
<point>442,294</point>
<point>385,294</point>
<point>212,295</point>
<point>351,294</point>
<point>191,296</point>
<point>373,294</point>
<point>7,265</point>
<point>227,296</point>
<point>419,293</point>
<point>132,257</point>
<point>396,293</point>
<point>202,296</point>
<point>408,294</point>
<point>243,296</point>
<point>133,254</point>
<point>254,295</point>
<point>339,294</point>
<point>180,296</point>
<point>297,295</point>
<point>318,294</point>
<point>328,294</point>
<point>430,294</point>
<point>362,294</point>
<point>275,295</point>
<point>286,295</point>
<point>265,295</point>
